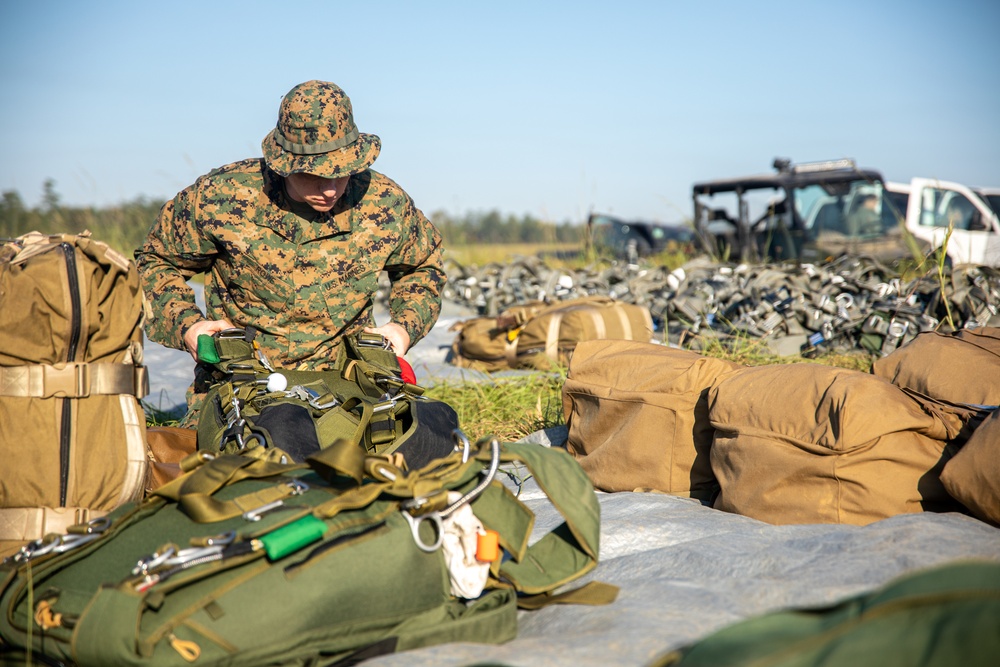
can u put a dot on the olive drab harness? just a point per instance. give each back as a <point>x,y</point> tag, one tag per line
<point>365,400</point>
<point>179,577</point>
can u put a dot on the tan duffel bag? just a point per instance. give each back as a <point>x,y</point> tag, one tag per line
<point>537,335</point>
<point>72,430</point>
<point>961,367</point>
<point>973,476</point>
<point>805,443</point>
<point>637,415</point>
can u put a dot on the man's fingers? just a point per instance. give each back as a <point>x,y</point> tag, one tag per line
<point>205,327</point>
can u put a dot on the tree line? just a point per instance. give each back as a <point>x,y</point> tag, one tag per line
<point>124,226</point>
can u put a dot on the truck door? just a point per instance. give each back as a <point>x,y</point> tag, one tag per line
<point>935,205</point>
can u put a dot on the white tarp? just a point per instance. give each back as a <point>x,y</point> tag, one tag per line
<point>686,570</point>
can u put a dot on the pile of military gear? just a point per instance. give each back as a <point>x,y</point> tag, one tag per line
<point>311,490</point>
<point>851,303</point>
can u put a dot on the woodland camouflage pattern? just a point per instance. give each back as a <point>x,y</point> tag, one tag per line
<point>304,279</point>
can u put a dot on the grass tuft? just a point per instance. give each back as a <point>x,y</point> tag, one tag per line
<point>508,408</point>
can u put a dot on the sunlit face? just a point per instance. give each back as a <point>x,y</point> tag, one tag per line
<point>319,192</point>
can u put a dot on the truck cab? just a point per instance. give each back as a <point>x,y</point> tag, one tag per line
<point>933,206</point>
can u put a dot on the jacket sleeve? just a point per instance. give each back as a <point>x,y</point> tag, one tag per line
<point>175,250</point>
<point>416,273</point>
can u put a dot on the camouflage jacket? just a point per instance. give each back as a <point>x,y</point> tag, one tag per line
<point>304,279</point>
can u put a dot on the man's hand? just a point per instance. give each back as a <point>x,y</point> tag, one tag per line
<point>395,334</point>
<point>204,327</point>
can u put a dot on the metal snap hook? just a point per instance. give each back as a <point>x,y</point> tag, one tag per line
<point>415,523</point>
<point>153,561</point>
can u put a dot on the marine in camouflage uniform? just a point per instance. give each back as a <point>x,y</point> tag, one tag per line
<point>293,244</point>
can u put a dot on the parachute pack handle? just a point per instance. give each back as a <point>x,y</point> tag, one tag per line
<point>231,345</point>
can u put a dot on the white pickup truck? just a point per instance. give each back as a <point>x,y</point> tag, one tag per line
<point>932,206</point>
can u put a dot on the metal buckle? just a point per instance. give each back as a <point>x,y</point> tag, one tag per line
<point>232,333</point>
<point>297,488</point>
<point>310,396</point>
<point>374,340</point>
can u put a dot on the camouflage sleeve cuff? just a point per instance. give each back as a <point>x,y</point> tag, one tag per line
<point>186,320</point>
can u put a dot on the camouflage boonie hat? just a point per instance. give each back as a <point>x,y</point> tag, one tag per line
<point>316,134</point>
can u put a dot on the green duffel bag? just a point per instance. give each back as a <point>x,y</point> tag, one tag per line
<point>248,561</point>
<point>941,617</point>
<point>252,408</point>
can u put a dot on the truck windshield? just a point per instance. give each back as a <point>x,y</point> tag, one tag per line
<point>994,202</point>
<point>857,209</point>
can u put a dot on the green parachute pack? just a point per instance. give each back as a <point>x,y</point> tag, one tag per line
<point>246,560</point>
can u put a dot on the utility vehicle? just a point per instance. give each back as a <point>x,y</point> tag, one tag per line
<point>817,210</point>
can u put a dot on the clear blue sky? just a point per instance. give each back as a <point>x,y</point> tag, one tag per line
<point>548,108</point>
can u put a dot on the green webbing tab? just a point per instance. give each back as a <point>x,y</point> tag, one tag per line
<point>206,350</point>
<point>289,539</point>
<point>594,593</point>
<point>382,429</point>
<point>343,457</point>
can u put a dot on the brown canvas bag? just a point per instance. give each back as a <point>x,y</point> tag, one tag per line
<point>537,335</point>
<point>72,431</point>
<point>961,367</point>
<point>479,344</point>
<point>805,443</point>
<point>166,447</point>
<point>973,475</point>
<point>637,415</point>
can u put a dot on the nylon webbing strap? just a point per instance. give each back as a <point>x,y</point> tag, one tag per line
<point>594,311</point>
<point>552,336</point>
<point>32,523</point>
<point>203,508</point>
<point>73,380</point>
<point>219,472</point>
<point>427,483</point>
<point>592,593</point>
<point>341,458</point>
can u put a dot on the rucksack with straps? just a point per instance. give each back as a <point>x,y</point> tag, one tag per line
<point>72,431</point>
<point>535,335</point>
<point>250,561</point>
<point>253,407</point>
